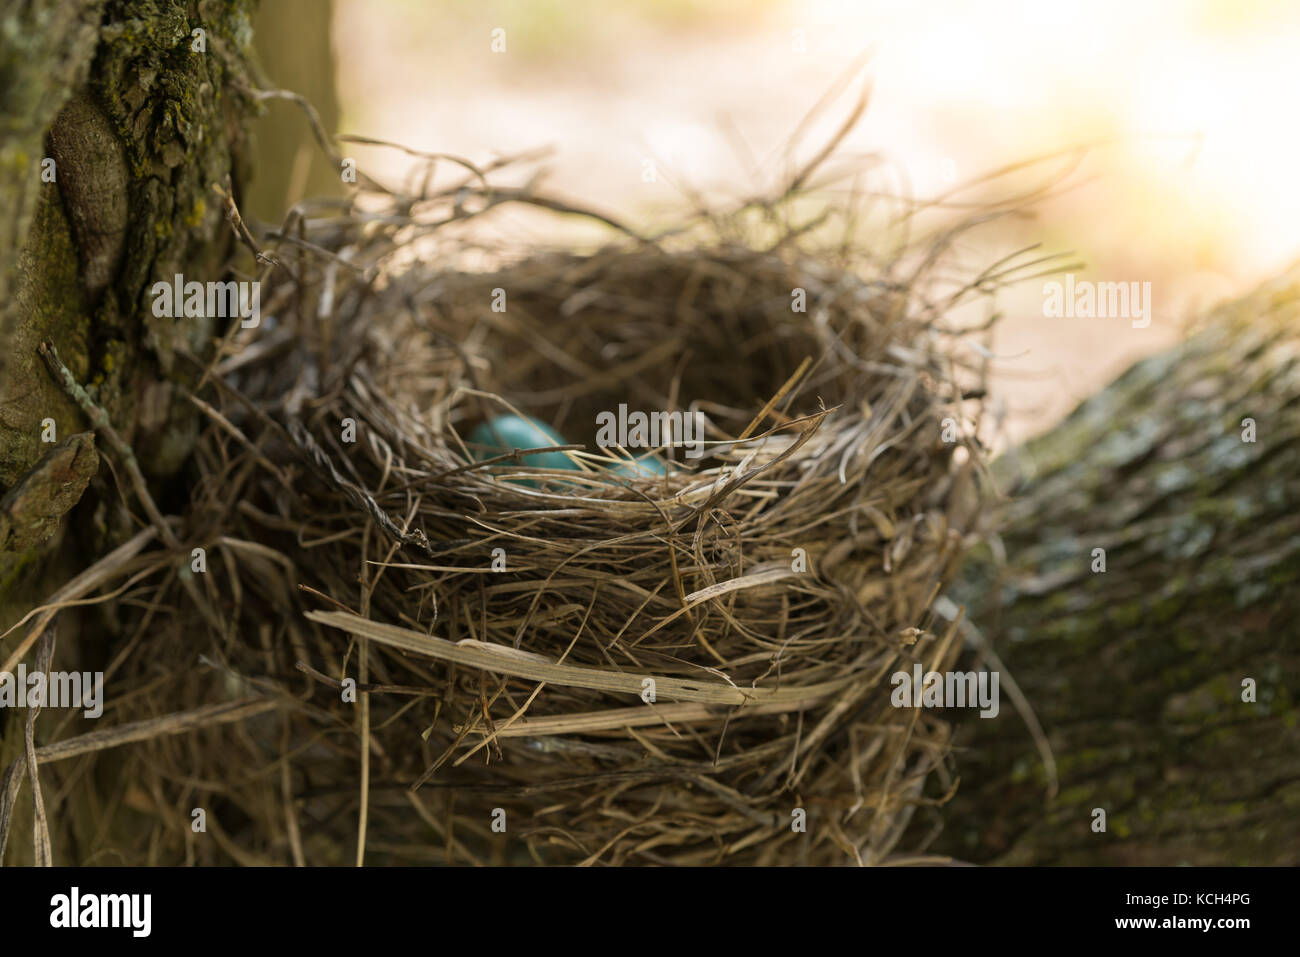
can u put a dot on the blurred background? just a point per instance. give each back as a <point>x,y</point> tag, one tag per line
<point>1163,132</point>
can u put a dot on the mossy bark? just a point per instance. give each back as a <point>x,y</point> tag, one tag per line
<point>140,116</point>
<point>116,118</point>
<point>1140,674</point>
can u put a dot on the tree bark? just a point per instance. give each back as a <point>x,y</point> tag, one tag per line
<point>118,119</point>
<point>1136,673</point>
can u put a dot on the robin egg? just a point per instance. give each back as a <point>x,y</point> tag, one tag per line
<point>505,433</point>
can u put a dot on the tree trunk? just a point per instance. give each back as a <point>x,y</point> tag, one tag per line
<point>118,119</point>
<point>294,44</point>
<point>1141,674</point>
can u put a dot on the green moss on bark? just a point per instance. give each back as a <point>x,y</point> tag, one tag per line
<point>177,119</point>
<point>1136,673</point>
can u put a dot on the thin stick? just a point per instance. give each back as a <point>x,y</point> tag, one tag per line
<point>241,230</point>
<point>100,422</point>
<point>82,585</point>
<point>178,722</point>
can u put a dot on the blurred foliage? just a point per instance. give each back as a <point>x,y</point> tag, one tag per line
<point>293,39</point>
<point>550,29</point>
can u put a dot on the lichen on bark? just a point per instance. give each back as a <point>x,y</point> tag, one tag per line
<point>1136,673</point>
<point>30,511</point>
<point>118,93</point>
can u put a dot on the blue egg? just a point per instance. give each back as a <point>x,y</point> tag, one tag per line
<point>505,433</point>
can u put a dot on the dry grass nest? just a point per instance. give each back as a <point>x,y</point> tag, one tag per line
<point>487,628</point>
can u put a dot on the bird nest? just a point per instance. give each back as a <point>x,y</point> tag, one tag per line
<point>432,649</point>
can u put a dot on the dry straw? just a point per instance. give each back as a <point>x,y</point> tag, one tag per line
<point>769,588</point>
